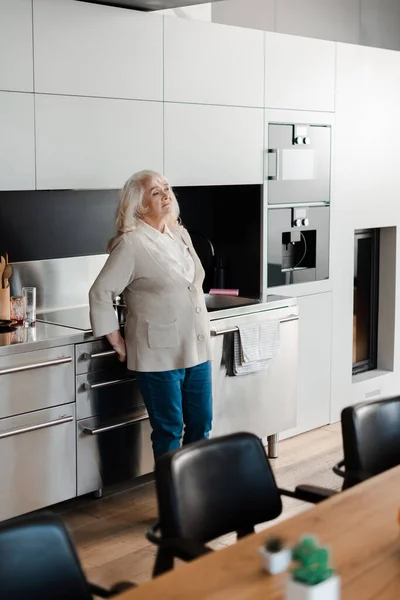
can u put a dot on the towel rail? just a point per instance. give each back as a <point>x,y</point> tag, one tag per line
<point>216,332</point>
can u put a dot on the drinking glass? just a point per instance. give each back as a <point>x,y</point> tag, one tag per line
<point>29,294</point>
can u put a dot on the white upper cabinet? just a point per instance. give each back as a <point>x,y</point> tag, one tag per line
<point>95,142</point>
<point>367,129</point>
<point>17,146</point>
<point>300,73</point>
<point>213,145</point>
<point>16,53</point>
<point>208,63</point>
<point>90,50</point>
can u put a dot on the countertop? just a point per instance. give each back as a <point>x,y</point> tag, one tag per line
<point>43,335</point>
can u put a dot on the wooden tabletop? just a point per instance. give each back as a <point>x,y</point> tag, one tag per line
<point>360,525</point>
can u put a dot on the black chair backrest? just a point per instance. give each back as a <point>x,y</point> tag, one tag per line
<point>38,561</point>
<point>215,487</point>
<point>371,438</point>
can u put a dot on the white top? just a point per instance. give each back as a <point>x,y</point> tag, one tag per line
<point>171,251</point>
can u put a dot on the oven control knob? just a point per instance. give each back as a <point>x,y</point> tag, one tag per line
<point>306,141</point>
<point>297,223</point>
<point>306,222</point>
<point>299,140</point>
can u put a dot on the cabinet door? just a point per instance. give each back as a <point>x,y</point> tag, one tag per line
<point>314,374</point>
<point>213,64</point>
<point>17,146</point>
<point>95,142</point>
<point>90,50</point>
<point>213,145</point>
<point>300,73</point>
<point>16,52</point>
<point>37,460</point>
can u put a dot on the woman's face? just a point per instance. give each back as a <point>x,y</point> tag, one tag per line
<point>157,198</point>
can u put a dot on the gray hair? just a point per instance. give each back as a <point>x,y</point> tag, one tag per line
<point>130,211</point>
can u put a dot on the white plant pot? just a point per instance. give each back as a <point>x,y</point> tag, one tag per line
<point>275,562</point>
<point>327,590</point>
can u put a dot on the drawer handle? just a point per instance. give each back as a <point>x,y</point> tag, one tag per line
<point>41,365</point>
<point>29,428</point>
<point>215,332</point>
<point>87,356</point>
<point>102,384</point>
<point>97,430</point>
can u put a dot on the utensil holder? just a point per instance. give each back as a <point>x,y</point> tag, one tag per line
<point>5,303</point>
<point>327,590</point>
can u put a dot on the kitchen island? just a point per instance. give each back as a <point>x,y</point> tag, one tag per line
<point>72,419</point>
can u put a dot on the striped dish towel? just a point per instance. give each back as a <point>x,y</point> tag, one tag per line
<point>254,346</point>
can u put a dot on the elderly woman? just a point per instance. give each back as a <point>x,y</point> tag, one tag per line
<point>153,262</point>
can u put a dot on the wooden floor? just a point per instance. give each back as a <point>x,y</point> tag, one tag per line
<point>110,533</point>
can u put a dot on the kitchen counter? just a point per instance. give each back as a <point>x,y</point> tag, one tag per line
<point>43,335</point>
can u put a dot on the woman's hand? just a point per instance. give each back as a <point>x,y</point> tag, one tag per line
<point>118,343</point>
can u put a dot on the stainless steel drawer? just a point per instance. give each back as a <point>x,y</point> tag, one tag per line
<point>37,460</point>
<point>110,451</point>
<point>96,356</point>
<point>109,393</point>
<point>34,380</point>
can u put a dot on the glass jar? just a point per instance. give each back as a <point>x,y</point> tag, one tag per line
<point>17,309</point>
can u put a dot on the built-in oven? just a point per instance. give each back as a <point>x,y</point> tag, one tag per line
<point>113,429</point>
<point>299,163</point>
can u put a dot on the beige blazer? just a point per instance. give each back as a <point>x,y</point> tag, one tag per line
<point>167,325</point>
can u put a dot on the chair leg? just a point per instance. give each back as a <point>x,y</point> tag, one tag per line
<point>273,443</point>
<point>164,562</point>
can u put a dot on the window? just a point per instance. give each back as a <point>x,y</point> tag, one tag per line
<point>365,304</point>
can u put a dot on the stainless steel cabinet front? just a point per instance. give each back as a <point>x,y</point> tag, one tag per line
<point>37,460</point>
<point>95,356</point>
<point>263,403</point>
<point>35,380</point>
<point>112,451</point>
<point>107,393</point>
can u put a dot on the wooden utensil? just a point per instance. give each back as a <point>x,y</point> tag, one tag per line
<point>6,275</point>
<point>2,267</point>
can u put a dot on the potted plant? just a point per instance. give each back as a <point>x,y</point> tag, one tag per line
<point>275,557</point>
<point>312,578</point>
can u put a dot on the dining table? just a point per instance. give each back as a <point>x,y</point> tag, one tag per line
<point>361,527</point>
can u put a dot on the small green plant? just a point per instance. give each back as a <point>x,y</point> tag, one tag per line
<point>313,563</point>
<point>274,545</point>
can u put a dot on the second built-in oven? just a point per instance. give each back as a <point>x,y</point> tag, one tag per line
<point>113,429</point>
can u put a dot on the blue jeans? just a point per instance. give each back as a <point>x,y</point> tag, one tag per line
<point>178,401</point>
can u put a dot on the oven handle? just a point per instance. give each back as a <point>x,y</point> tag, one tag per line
<point>102,384</point>
<point>97,430</point>
<point>29,428</point>
<point>41,365</point>
<point>216,332</point>
<point>87,356</point>
<point>276,153</point>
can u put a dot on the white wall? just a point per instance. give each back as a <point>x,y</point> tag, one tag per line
<point>365,22</point>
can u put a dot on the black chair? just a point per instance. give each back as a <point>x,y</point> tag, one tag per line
<point>38,562</point>
<point>371,440</point>
<point>211,488</point>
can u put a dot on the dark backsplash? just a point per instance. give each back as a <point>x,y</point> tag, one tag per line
<point>38,225</point>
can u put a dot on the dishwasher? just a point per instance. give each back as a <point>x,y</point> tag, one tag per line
<point>265,402</point>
